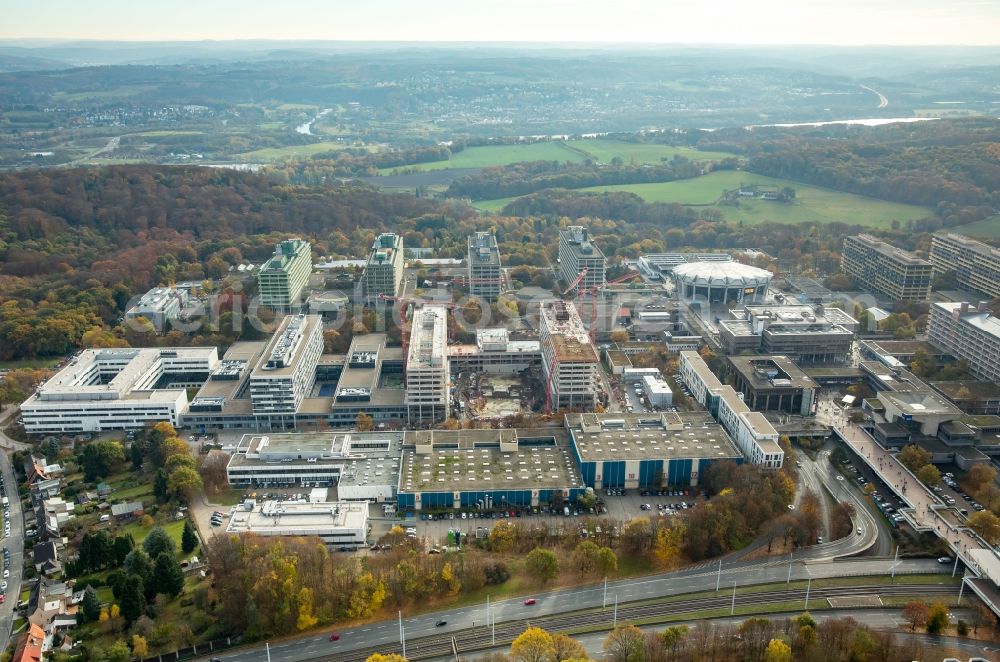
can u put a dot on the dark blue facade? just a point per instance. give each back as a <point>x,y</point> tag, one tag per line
<point>651,473</point>
<point>679,472</point>
<point>613,474</point>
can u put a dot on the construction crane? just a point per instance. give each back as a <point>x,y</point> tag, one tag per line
<point>576,281</point>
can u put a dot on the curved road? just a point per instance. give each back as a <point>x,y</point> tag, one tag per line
<point>883,100</point>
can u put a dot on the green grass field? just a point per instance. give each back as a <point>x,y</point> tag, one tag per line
<point>988,228</point>
<point>575,151</point>
<point>604,150</point>
<point>28,363</point>
<point>164,134</point>
<point>139,532</point>
<point>812,204</point>
<point>286,153</point>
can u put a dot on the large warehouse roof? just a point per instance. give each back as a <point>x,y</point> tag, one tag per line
<point>721,274</point>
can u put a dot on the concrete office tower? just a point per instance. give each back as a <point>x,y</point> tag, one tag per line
<point>576,253</point>
<point>485,271</point>
<point>286,370</point>
<point>427,365</point>
<point>281,279</point>
<point>976,265</point>
<point>886,270</point>
<point>384,270</point>
<point>969,332</point>
<point>569,359</point>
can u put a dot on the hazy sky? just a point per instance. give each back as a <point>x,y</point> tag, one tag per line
<point>665,21</point>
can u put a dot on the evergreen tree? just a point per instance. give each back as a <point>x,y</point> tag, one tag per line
<point>157,542</point>
<point>168,578</point>
<point>121,547</point>
<point>189,539</point>
<point>133,600</point>
<point>116,580</point>
<point>91,607</point>
<point>138,563</point>
<point>160,485</point>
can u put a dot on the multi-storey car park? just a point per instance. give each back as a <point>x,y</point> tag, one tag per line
<point>118,389</point>
<point>886,270</point>
<point>485,272</point>
<point>647,450</point>
<point>976,265</point>
<point>578,252</point>
<point>968,332</point>
<point>571,364</point>
<point>282,278</point>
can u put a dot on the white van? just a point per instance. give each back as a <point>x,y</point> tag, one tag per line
<point>105,518</point>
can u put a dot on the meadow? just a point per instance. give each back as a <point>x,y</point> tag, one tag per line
<point>812,204</point>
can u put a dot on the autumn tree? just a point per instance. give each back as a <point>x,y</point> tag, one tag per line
<point>542,565</point>
<point>913,457</point>
<point>385,657</point>
<point>986,525</point>
<point>625,643</point>
<point>363,422</point>
<point>532,645</point>
<point>567,648</point>
<point>929,475</point>
<point>916,612</point>
<point>937,618</point>
<point>777,651</point>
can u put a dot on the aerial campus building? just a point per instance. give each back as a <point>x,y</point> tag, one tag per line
<point>286,370</point>
<point>281,279</point>
<point>753,434</point>
<point>660,266</point>
<point>427,374</point>
<point>719,282</point>
<point>968,332</point>
<point>578,252</point>
<point>495,353</point>
<point>485,272</point>
<point>159,305</point>
<point>384,268</point>
<point>339,523</point>
<point>118,389</point>
<point>886,270</point>
<point>803,333</point>
<point>647,450</point>
<point>570,362</point>
<point>773,383</point>
<point>976,265</point>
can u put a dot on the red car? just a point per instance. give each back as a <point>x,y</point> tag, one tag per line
<point>335,636</point>
<point>529,601</point>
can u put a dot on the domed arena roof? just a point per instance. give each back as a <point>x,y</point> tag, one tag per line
<point>722,274</point>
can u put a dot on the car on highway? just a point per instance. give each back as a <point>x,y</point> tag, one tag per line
<point>335,636</point>
<point>529,601</point>
<point>441,623</point>
<point>944,559</point>
<point>839,477</point>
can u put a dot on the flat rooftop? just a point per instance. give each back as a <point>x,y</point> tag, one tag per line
<point>111,374</point>
<point>287,346</point>
<point>471,460</point>
<point>242,355</point>
<point>890,251</point>
<point>981,390</point>
<point>985,321</point>
<point>902,347</point>
<point>665,436</point>
<point>292,518</point>
<point>428,338</point>
<point>917,403</point>
<point>793,312</point>
<point>568,336</point>
<point>765,371</point>
<point>580,242</point>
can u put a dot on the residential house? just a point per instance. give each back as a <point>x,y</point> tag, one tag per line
<point>29,649</point>
<point>46,489</point>
<point>45,556</point>
<point>36,468</point>
<point>54,513</point>
<point>54,606</point>
<point>123,512</point>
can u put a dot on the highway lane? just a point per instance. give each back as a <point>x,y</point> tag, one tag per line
<point>558,602</point>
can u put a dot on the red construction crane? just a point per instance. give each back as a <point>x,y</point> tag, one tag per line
<point>576,281</point>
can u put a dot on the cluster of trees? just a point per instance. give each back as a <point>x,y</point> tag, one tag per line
<point>917,460</point>
<point>176,474</point>
<point>531,176</point>
<point>616,205</point>
<point>746,498</point>
<point>800,638</point>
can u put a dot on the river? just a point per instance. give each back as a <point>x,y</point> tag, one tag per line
<point>306,129</point>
